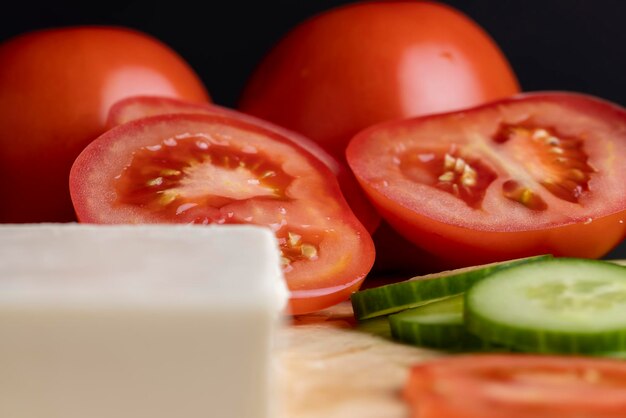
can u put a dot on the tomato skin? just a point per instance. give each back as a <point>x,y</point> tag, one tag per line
<point>312,204</point>
<point>137,107</point>
<point>474,240</point>
<point>517,386</point>
<point>365,63</point>
<point>462,247</point>
<point>56,87</point>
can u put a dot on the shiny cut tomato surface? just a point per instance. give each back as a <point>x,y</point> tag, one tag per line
<point>217,169</point>
<point>517,386</point>
<point>138,107</point>
<point>364,63</point>
<point>56,88</point>
<point>535,174</point>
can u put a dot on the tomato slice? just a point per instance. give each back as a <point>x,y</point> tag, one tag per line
<point>138,107</point>
<point>517,386</point>
<point>216,169</point>
<point>534,174</point>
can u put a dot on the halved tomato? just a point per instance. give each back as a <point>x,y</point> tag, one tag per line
<point>143,106</point>
<point>218,169</point>
<point>534,174</point>
<point>517,386</point>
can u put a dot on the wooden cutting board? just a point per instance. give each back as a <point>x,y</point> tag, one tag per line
<point>328,369</point>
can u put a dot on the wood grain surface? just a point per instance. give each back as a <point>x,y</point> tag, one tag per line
<point>329,369</point>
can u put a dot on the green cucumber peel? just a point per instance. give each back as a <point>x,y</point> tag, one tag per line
<point>435,325</point>
<point>421,290</point>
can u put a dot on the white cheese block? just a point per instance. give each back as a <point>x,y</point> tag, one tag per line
<point>138,321</point>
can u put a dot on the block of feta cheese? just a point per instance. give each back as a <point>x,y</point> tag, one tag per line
<point>138,321</point>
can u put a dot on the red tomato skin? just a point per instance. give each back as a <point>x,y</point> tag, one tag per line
<point>459,246</point>
<point>139,106</point>
<point>365,63</point>
<point>56,87</point>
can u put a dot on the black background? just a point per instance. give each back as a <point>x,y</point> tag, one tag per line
<point>577,45</point>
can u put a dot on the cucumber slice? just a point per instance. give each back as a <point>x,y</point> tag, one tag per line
<point>376,326</point>
<point>436,325</point>
<point>385,300</point>
<point>552,306</point>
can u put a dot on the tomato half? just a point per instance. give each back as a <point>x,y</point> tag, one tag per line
<point>369,62</point>
<point>535,174</point>
<point>517,386</point>
<point>142,106</point>
<point>56,87</point>
<point>217,169</point>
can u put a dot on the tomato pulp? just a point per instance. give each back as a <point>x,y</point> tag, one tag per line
<point>221,170</point>
<point>364,63</point>
<point>517,386</point>
<point>142,106</point>
<point>535,174</point>
<point>56,87</point>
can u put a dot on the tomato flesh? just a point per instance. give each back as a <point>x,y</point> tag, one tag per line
<point>540,173</point>
<point>220,170</point>
<point>517,386</point>
<point>143,106</point>
<point>170,178</point>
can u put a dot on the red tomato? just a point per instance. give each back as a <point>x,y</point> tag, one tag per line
<point>56,87</point>
<point>365,63</point>
<point>141,106</point>
<point>517,386</point>
<point>535,174</point>
<point>218,169</point>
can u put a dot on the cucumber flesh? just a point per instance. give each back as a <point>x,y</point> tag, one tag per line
<point>435,325</point>
<point>385,300</point>
<point>560,305</point>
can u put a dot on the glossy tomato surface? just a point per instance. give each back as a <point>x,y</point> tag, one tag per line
<point>221,170</point>
<point>138,107</point>
<point>365,63</point>
<point>517,386</point>
<point>142,106</point>
<point>539,173</point>
<point>56,87</point>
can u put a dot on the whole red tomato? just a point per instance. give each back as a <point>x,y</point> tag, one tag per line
<point>56,87</point>
<point>357,65</point>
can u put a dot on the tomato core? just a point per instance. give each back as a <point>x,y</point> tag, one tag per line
<point>198,174</point>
